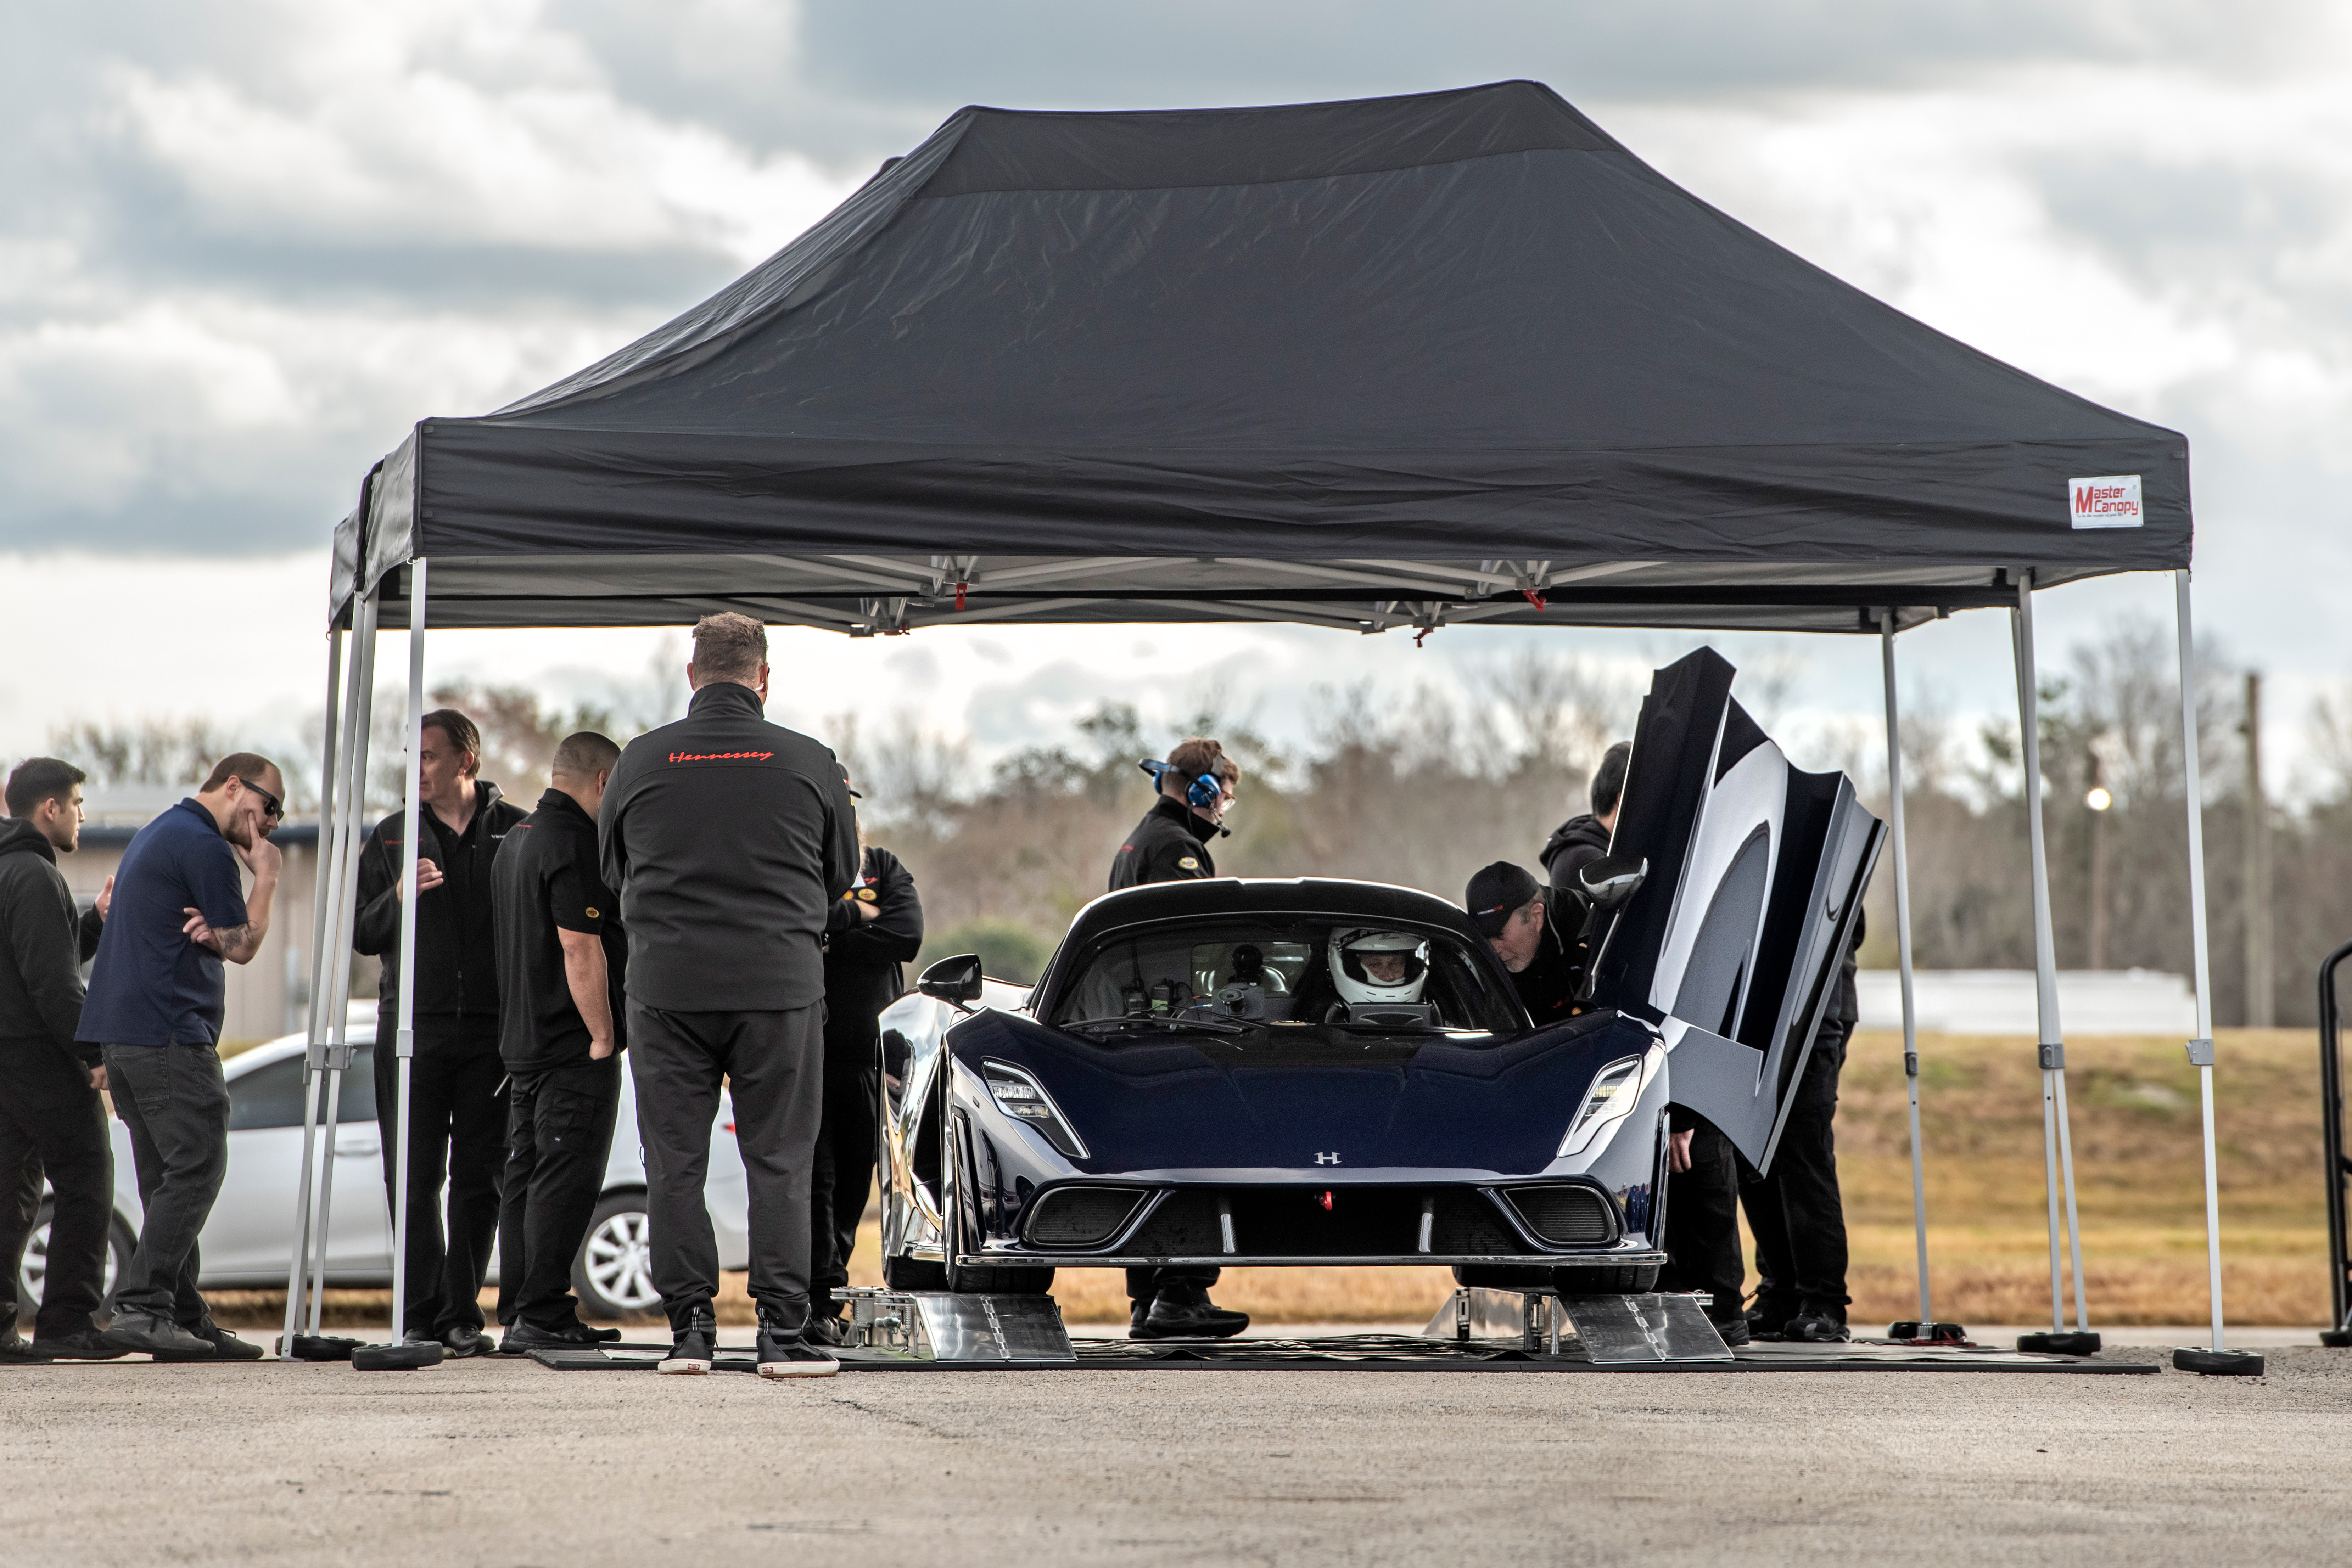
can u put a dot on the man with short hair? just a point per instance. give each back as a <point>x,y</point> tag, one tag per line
<point>156,995</point>
<point>1581,839</point>
<point>1515,913</point>
<point>728,838</point>
<point>51,1118</point>
<point>1192,791</point>
<point>561,963</point>
<point>457,1108</point>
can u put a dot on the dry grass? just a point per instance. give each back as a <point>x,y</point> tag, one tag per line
<point>2138,1170</point>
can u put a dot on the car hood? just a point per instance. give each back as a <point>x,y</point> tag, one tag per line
<point>1171,1104</point>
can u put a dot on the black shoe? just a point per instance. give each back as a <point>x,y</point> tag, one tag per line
<point>160,1337</point>
<point>1136,1312</point>
<point>1174,1318</point>
<point>784,1352</point>
<point>827,1331</point>
<point>525,1337</point>
<point>464,1339</point>
<point>225,1345</point>
<point>1763,1328</point>
<point>693,1347</point>
<point>1735,1331</point>
<point>14,1346</point>
<point>603,1336</point>
<point>87,1345</point>
<point>1817,1328</point>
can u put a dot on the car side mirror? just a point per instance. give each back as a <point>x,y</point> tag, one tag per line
<point>956,982</point>
<point>1610,880</point>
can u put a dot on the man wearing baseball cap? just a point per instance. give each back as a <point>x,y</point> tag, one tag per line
<point>1514,912</point>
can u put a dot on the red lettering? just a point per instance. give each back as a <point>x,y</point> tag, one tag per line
<point>719,756</point>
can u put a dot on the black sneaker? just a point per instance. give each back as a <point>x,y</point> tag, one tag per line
<point>693,1346</point>
<point>462,1340</point>
<point>87,1345</point>
<point>827,1330</point>
<point>1817,1328</point>
<point>524,1338</point>
<point>160,1337</point>
<point>784,1352</point>
<point>1735,1331</point>
<point>1137,1311</point>
<point>1173,1317</point>
<point>14,1346</point>
<point>225,1345</point>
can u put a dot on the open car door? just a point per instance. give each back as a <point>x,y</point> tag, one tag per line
<point>1757,870</point>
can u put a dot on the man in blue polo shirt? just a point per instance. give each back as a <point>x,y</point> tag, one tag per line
<point>154,1009</point>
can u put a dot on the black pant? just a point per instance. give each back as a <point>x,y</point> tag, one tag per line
<point>175,1105</point>
<point>459,1109</point>
<point>775,1066</point>
<point>1143,1284</point>
<point>558,1132</point>
<point>842,1172</point>
<point>1796,1212</point>
<point>1702,1225</point>
<point>51,1120</point>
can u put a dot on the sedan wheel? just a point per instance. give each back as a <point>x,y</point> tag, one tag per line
<point>614,1274</point>
<point>33,1268</point>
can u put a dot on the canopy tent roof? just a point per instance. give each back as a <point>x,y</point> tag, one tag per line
<point>1455,356</point>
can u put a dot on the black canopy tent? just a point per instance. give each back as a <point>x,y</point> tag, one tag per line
<point>1437,360</point>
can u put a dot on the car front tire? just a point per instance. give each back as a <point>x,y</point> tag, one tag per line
<point>613,1273</point>
<point>33,1268</point>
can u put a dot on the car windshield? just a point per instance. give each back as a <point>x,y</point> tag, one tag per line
<point>1261,974</point>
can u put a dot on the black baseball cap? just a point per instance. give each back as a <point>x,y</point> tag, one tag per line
<point>1495,892</point>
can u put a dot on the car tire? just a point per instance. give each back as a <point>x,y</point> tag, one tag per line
<point>32,1267</point>
<point>914,1274</point>
<point>1612,1280</point>
<point>613,1272</point>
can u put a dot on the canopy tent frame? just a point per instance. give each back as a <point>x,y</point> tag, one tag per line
<point>1111,368</point>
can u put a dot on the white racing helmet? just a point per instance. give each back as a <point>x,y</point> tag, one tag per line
<point>1357,984</point>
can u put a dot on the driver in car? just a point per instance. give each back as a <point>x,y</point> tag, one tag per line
<point>1370,967</point>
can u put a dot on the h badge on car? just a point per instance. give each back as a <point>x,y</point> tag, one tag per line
<point>1330,1159</point>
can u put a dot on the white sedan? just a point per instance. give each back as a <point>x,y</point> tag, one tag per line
<point>247,1244</point>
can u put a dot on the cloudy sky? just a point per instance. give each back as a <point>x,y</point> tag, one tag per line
<point>245,243</point>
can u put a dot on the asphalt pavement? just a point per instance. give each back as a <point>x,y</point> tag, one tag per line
<point>506,1463</point>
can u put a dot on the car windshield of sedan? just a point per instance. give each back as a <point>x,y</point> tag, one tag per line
<point>1248,974</point>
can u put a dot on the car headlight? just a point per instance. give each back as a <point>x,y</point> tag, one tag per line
<point>1614,1091</point>
<point>1024,1099</point>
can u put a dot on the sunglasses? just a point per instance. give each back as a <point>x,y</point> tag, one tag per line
<point>274,808</point>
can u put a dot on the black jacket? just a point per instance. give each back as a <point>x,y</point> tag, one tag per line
<point>456,933</point>
<point>728,838</point>
<point>1170,844</point>
<point>862,957</point>
<point>43,946</point>
<point>1574,844</point>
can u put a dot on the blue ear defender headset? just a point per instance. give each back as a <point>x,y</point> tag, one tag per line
<point>1203,791</point>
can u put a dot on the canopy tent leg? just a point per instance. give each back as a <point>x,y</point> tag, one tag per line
<point>1927,1326</point>
<point>399,1353</point>
<point>351,835</point>
<point>2218,1357</point>
<point>314,1051</point>
<point>2057,1144</point>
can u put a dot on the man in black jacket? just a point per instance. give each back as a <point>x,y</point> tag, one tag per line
<point>1543,953</point>
<point>874,928</point>
<point>728,838</point>
<point>562,962</point>
<point>1171,844</point>
<point>1797,1213</point>
<point>1581,839</point>
<point>50,1115</point>
<point>458,1108</point>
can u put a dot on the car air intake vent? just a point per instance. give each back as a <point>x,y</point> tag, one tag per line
<point>1564,1215</point>
<point>1081,1215</point>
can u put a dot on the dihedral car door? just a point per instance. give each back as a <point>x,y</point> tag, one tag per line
<point>1756,877</point>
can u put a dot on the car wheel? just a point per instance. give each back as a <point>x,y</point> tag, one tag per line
<point>1619,1278</point>
<point>982,1281</point>
<point>33,1268</point>
<point>914,1274</point>
<point>614,1273</point>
